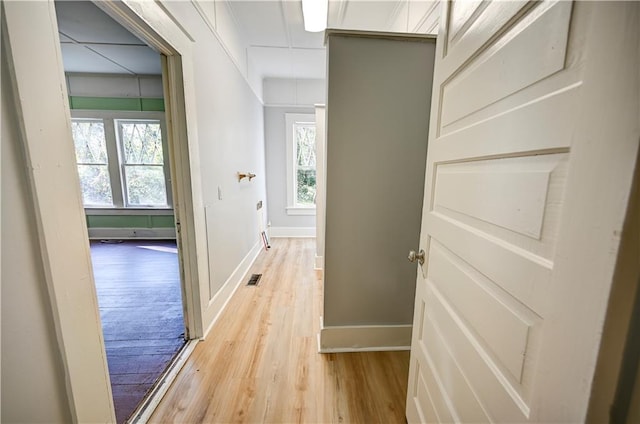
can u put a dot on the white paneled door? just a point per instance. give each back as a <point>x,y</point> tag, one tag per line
<point>533,140</point>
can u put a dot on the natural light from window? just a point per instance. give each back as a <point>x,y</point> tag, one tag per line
<point>143,163</point>
<point>301,163</point>
<point>93,165</point>
<point>121,162</point>
<point>305,172</point>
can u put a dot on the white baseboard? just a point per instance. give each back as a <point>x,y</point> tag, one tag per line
<point>292,232</point>
<point>237,277</point>
<point>131,233</point>
<point>363,338</point>
<point>319,262</point>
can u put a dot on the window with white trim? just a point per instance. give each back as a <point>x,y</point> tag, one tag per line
<point>301,163</point>
<point>122,161</point>
<point>93,164</point>
<point>141,158</point>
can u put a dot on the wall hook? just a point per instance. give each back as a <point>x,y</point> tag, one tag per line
<point>242,175</point>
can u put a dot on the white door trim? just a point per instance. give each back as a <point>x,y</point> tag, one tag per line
<point>45,116</point>
<point>30,35</point>
<point>152,24</point>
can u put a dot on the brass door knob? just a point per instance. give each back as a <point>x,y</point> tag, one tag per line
<point>413,256</point>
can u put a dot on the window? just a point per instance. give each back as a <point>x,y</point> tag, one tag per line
<point>93,165</point>
<point>142,163</point>
<point>122,160</point>
<point>301,164</point>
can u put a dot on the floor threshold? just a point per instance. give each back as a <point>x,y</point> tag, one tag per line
<point>149,404</point>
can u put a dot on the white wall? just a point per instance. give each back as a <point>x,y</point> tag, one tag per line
<point>33,387</point>
<point>276,156</point>
<point>230,132</point>
<point>230,127</point>
<point>282,96</point>
<point>294,92</point>
<point>218,17</point>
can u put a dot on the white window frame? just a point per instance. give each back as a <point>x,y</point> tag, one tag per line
<point>291,120</point>
<point>108,160</point>
<point>116,175</point>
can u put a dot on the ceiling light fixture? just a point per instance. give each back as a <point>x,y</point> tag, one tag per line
<point>314,13</point>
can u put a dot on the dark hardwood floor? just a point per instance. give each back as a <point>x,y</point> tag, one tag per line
<point>138,286</point>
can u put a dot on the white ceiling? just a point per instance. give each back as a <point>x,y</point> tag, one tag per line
<point>276,42</point>
<point>271,32</point>
<point>279,47</point>
<point>92,42</point>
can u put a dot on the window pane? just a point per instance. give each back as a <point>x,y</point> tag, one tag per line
<point>91,146</point>
<point>95,185</point>
<point>306,145</point>
<point>141,143</point>
<point>145,186</point>
<point>306,190</point>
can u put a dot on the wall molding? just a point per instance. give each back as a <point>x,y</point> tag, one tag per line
<point>319,262</point>
<point>131,233</point>
<point>292,232</point>
<point>290,105</point>
<point>363,338</point>
<point>237,277</point>
<point>212,26</point>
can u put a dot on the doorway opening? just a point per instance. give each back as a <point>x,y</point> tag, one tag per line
<point>116,95</point>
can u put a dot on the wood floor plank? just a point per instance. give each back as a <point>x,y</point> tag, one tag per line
<point>260,362</point>
<point>139,297</point>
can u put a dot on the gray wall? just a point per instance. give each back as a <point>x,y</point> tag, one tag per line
<point>276,156</point>
<point>379,96</point>
<point>32,386</point>
<point>106,85</point>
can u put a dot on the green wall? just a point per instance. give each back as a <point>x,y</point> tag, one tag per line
<point>130,221</point>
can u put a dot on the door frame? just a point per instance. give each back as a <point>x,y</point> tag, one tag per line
<point>44,123</point>
<point>173,44</point>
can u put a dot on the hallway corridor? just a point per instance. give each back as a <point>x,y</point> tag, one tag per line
<point>260,362</point>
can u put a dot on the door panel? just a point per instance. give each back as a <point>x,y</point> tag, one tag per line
<point>496,293</point>
<point>479,377</point>
<point>496,320</point>
<point>506,66</point>
<point>510,193</point>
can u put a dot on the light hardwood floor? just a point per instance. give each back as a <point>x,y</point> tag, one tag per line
<point>260,361</point>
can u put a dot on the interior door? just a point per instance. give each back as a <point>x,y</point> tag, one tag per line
<point>533,140</point>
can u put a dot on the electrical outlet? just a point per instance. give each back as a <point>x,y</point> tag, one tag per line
<point>259,205</point>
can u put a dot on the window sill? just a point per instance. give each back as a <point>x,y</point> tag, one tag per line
<point>298,210</point>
